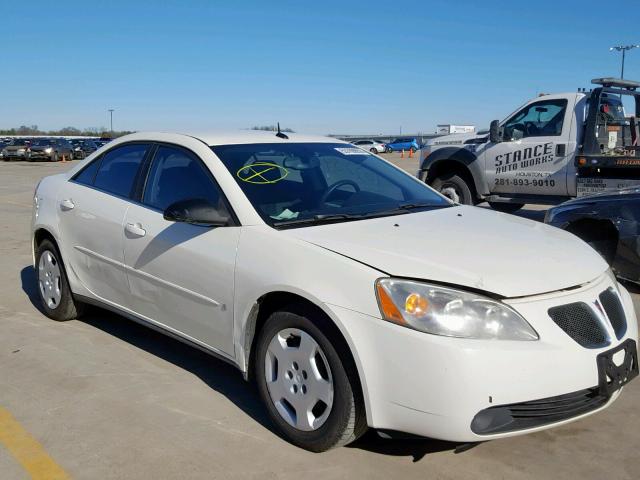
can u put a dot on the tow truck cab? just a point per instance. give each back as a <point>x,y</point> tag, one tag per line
<point>553,148</point>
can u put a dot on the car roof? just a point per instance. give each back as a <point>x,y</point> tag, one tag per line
<point>213,138</point>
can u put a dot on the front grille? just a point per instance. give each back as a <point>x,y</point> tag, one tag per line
<point>580,322</point>
<point>611,304</point>
<point>521,416</point>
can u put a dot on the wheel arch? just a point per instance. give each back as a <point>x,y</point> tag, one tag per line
<point>40,234</point>
<point>593,229</point>
<point>273,301</point>
<point>459,160</point>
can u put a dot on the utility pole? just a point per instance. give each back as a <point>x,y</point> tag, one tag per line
<point>623,49</point>
<point>111,119</point>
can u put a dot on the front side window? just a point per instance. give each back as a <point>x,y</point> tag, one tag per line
<point>177,175</point>
<point>118,169</point>
<point>540,119</point>
<point>297,181</point>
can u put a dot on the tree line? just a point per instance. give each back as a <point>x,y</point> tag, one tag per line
<point>63,132</point>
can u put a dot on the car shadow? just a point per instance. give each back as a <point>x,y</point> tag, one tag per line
<point>407,446</point>
<point>29,286</point>
<point>225,378</point>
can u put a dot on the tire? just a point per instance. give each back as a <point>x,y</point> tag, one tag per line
<point>388,150</point>
<point>343,418</point>
<point>506,207</point>
<point>55,295</point>
<point>374,151</point>
<point>455,188</point>
<point>54,157</point>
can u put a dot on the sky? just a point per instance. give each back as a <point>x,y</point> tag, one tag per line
<point>316,67</point>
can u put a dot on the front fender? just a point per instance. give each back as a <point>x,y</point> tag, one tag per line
<point>463,156</point>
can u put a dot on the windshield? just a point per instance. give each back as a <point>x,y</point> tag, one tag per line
<point>17,142</point>
<point>287,183</point>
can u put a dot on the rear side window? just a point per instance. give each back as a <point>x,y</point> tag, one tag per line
<point>87,175</point>
<point>118,169</point>
<point>177,175</point>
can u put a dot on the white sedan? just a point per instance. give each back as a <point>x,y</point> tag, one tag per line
<point>353,294</point>
<point>371,145</point>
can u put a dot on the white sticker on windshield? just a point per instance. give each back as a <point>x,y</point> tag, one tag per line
<point>350,151</point>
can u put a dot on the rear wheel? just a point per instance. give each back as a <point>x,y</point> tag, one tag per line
<point>373,150</point>
<point>54,157</point>
<point>455,188</point>
<point>53,287</point>
<point>506,207</point>
<point>307,383</point>
<point>388,150</point>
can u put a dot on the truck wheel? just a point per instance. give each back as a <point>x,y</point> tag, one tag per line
<point>454,187</point>
<point>506,207</point>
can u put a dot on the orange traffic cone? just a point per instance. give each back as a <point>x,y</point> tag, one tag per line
<point>402,154</point>
<point>410,153</point>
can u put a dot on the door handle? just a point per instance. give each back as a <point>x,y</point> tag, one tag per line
<point>135,229</point>
<point>66,205</point>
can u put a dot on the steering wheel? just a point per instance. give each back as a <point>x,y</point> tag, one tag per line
<point>330,190</point>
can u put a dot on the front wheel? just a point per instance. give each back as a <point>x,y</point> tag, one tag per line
<point>388,150</point>
<point>506,207</point>
<point>455,188</point>
<point>310,389</point>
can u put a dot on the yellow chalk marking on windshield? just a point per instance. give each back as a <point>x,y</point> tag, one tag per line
<point>27,450</point>
<point>255,173</point>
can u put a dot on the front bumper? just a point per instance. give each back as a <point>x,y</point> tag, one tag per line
<point>435,386</point>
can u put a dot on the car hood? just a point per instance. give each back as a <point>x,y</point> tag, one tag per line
<point>467,246</point>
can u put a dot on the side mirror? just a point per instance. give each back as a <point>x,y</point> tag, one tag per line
<point>494,132</point>
<point>197,211</point>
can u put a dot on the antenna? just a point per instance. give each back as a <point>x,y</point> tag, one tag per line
<point>280,134</point>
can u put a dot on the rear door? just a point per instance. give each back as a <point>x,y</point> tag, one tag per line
<point>181,275</point>
<point>533,156</point>
<point>92,210</point>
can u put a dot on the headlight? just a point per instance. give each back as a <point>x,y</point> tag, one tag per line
<point>48,150</point>
<point>21,150</point>
<point>449,312</point>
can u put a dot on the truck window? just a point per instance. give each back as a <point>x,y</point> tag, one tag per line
<point>539,119</point>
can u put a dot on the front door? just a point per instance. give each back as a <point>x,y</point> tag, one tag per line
<point>533,156</point>
<point>181,275</point>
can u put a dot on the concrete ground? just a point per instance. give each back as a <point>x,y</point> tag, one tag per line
<point>104,398</point>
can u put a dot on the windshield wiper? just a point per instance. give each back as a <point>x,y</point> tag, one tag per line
<point>319,219</point>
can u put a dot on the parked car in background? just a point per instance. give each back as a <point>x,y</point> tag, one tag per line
<point>610,223</point>
<point>50,149</point>
<point>83,147</point>
<point>403,143</point>
<point>372,145</point>
<point>352,294</point>
<point>16,150</point>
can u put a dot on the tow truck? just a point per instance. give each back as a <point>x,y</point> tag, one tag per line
<point>552,149</point>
